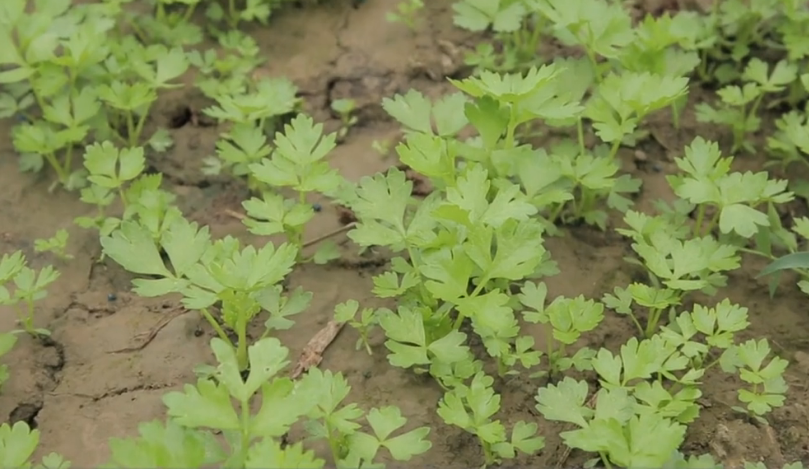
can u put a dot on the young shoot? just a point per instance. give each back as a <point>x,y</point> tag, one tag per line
<point>242,282</point>
<point>565,320</point>
<point>473,409</point>
<point>406,12</point>
<point>57,244</point>
<point>298,162</point>
<point>344,109</point>
<point>362,321</point>
<point>740,104</point>
<point>22,286</point>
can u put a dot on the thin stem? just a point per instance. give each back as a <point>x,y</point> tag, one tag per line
<point>216,327</point>
<point>615,146</point>
<point>245,430</point>
<point>139,129</point>
<point>637,323</point>
<point>654,318</point>
<point>241,347</point>
<point>54,162</point>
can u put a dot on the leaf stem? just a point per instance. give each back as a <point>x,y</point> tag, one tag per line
<point>216,327</point>
<point>651,325</point>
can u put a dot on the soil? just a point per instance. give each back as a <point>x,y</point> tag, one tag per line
<point>78,395</point>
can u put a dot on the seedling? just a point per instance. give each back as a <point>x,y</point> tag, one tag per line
<point>406,13</point>
<point>56,245</point>
<point>740,104</point>
<point>223,404</point>
<point>565,320</point>
<point>7,342</point>
<point>253,10</point>
<point>734,196</point>
<point>473,408</point>
<point>117,175</point>
<point>229,70</point>
<point>29,287</point>
<point>244,282</point>
<point>262,103</point>
<point>517,29</point>
<point>364,322</point>
<point>299,162</point>
<point>344,108</point>
<point>382,147</point>
<point>18,443</point>
<point>766,385</point>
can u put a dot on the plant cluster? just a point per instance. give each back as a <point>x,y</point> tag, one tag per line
<point>468,260</point>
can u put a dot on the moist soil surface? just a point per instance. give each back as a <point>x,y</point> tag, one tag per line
<point>78,394</point>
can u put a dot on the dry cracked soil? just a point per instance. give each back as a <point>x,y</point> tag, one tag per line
<point>78,394</point>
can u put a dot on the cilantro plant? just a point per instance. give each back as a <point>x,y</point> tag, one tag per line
<point>676,266</point>
<point>57,244</point>
<point>652,386</point>
<point>227,70</point>
<point>261,103</point>
<point>298,162</point>
<point>235,13</point>
<point>7,342</point>
<point>565,320</point>
<point>55,70</point>
<point>169,24</point>
<point>766,385</point>
<point>463,252</point>
<point>789,143</point>
<point>329,419</point>
<point>18,443</point>
<point>622,101</point>
<point>141,72</point>
<point>406,13</point>
<point>29,286</point>
<point>117,175</point>
<point>241,282</point>
<point>517,28</point>
<point>473,409</point>
<point>707,182</point>
<point>344,108</point>
<point>602,29</point>
<point>362,321</point>
<point>740,104</point>
<point>222,403</point>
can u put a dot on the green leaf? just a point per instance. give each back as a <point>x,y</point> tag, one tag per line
<point>134,249</point>
<point>169,445</point>
<point>269,453</point>
<point>796,260</point>
<point>205,405</point>
<point>565,402</point>
<point>17,444</point>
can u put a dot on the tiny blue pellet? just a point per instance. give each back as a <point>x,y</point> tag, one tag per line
<point>317,207</point>
<point>112,297</point>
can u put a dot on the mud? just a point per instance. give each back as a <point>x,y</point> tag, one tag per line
<point>78,395</point>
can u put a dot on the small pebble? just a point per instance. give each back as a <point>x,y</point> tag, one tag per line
<point>317,207</point>
<point>112,297</point>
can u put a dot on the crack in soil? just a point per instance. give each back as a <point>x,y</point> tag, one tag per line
<point>116,392</point>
